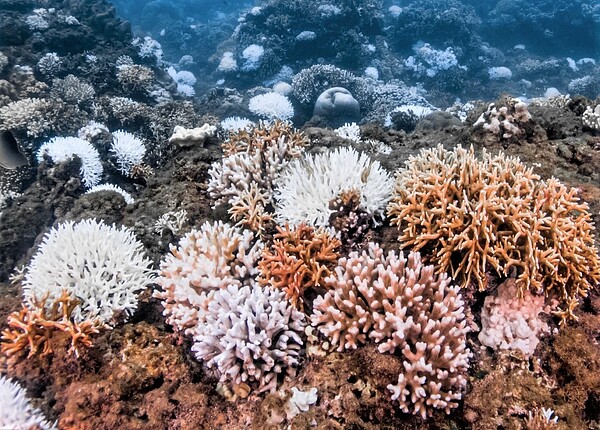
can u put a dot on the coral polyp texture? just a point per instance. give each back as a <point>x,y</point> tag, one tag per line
<point>472,216</point>
<point>400,304</point>
<point>251,336</point>
<point>15,410</point>
<point>512,321</point>
<point>309,185</point>
<point>213,257</point>
<point>300,258</point>
<point>102,266</point>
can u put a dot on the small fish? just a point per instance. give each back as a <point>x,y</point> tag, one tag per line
<point>10,155</point>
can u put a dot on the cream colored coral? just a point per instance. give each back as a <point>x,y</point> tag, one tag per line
<point>591,117</point>
<point>400,304</point>
<point>214,257</point>
<point>510,320</point>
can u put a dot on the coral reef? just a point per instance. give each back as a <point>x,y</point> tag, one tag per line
<point>16,411</point>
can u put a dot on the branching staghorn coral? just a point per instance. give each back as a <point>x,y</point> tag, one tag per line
<point>102,266</point>
<point>472,216</point>
<point>34,328</point>
<point>211,258</point>
<point>251,336</point>
<point>400,304</point>
<point>254,156</point>
<point>300,258</point>
<point>307,186</point>
<point>16,412</point>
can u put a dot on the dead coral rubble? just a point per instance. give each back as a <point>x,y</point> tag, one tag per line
<point>470,216</point>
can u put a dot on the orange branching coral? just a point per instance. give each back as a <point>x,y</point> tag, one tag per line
<point>258,138</point>
<point>300,258</point>
<point>471,216</point>
<point>34,328</point>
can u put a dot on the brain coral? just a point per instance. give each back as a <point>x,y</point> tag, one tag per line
<point>400,304</point>
<point>470,216</point>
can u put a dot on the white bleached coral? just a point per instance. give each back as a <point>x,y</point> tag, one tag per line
<point>591,118</point>
<point>505,121</point>
<point>192,136</point>
<point>112,188</point>
<point>271,106</point>
<point>251,336</point>
<point>406,309</point>
<point>213,257</point>
<point>307,186</point>
<point>510,320</point>
<point>61,149</point>
<point>16,413</point>
<point>128,150</point>
<point>102,266</point>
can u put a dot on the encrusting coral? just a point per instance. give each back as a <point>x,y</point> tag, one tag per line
<point>300,258</point>
<point>401,305</point>
<point>34,328</point>
<point>213,257</point>
<point>469,216</point>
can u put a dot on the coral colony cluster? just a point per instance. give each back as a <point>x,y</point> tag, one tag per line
<point>191,247</point>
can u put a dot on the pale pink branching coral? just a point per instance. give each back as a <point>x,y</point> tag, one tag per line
<point>214,257</point>
<point>400,304</point>
<point>510,320</point>
<point>251,336</point>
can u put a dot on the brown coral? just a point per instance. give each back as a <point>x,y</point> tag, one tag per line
<point>470,216</point>
<point>351,220</point>
<point>34,328</point>
<point>257,138</point>
<point>300,258</point>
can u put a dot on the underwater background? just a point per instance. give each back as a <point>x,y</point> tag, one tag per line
<point>299,214</point>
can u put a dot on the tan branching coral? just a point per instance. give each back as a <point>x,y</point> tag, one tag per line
<point>249,209</point>
<point>403,306</point>
<point>258,138</point>
<point>34,328</point>
<point>300,258</point>
<point>471,216</point>
<point>245,177</point>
